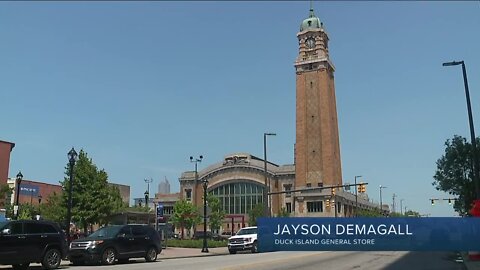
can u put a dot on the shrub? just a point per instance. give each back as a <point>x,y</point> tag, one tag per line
<point>194,243</point>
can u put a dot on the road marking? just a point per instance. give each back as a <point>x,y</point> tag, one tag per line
<point>251,265</point>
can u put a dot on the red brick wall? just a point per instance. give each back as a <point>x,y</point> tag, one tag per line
<point>31,189</point>
<point>5,149</point>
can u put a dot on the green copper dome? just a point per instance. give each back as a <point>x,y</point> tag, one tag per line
<point>312,22</point>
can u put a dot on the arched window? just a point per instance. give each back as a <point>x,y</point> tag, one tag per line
<point>239,197</point>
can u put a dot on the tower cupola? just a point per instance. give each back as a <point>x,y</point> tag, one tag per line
<point>312,22</point>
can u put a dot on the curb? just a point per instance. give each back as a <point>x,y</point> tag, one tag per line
<point>191,256</point>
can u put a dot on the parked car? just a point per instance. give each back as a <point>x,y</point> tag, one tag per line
<point>31,241</point>
<point>117,242</point>
<point>199,235</point>
<point>245,239</point>
<point>172,235</point>
<point>213,236</point>
<point>225,235</point>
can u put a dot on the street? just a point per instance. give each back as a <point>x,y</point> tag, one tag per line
<point>391,260</point>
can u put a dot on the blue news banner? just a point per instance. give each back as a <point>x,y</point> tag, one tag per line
<point>364,234</point>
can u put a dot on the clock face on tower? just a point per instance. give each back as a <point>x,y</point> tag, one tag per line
<point>310,42</point>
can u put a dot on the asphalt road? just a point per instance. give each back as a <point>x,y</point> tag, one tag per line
<point>298,260</point>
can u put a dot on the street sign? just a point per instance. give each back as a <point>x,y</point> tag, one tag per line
<point>160,210</point>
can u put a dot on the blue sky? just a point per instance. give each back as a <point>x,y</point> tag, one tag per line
<point>141,86</point>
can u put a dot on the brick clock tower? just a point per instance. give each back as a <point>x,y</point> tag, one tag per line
<point>317,150</point>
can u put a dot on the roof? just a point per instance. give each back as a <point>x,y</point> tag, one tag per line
<point>11,144</point>
<point>312,22</point>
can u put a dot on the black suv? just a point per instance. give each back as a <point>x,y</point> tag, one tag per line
<point>121,242</point>
<point>26,241</point>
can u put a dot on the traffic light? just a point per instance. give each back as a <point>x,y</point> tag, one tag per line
<point>333,191</point>
<point>327,203</point>
<point>450,201</point>
<point>362,188</point>
<point>433,201</point>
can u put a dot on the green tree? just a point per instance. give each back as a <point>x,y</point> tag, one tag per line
<point>5,191</point>
<point>454,173</point>
<point>283,213</point>
<point>27,211</point>
<point>93,200</point>
<point>137,208</point>
<point>185,215</point>
<point>254,213</point>
<point>369,213</point>
<point>53,209</point>
<point>217,214</point>
<point>411,213</point>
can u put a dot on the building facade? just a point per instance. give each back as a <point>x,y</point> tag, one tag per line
<point>164,187</point>
<point>124,192</point>
<point>5,150</point>
<point>32,192</point>
<point>312,187</point>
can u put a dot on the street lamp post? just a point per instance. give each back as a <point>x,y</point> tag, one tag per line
<point>401,206</point>
<point>148,181</point>
<point>266,189</point>
<point>17,204</point>
<point>31,196</point>
<point>146,198</point>
<point>381,203</point>
<point>356,194</point>
<point>196,161</point>
<point>472,129</point>
<point>205,246</point>
<point>39,205</point>
<point>72,156</point>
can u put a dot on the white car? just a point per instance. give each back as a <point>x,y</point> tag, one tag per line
<point>245,239</point>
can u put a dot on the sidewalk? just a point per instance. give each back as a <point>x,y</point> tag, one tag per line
<point>175,253</point>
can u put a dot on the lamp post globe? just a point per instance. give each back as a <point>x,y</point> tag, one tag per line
<point>72,158</point>
<point>205,186</point>
<point>17,193</point>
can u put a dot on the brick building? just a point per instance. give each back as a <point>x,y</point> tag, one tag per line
<point>33,192</point>
<point>5,149</point>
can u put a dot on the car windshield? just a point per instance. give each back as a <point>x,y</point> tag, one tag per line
<point>109,231</point>
<point>2,224</point>
<point>247,231</point>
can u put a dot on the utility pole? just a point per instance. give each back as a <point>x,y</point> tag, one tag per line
<point>393,202</point>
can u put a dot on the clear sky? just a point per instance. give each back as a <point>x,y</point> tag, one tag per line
<point>141,86</point>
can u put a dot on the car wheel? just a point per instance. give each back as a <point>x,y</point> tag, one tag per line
<point>52,259</point>
<point>21,266</point>
<point>108,256</point>
<point>232,251</point>
<point>254,247</point>
<point>151,255</point>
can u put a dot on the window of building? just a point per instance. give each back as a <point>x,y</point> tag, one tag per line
<point>339,207</point>
<point>168,210</point>
<point>239,197</point>
<point>309,184</point>
<point>320,184</point>
<point>188,193</point>
<point>316,206</point>
<point>287,187</point>
<point>289,207</point>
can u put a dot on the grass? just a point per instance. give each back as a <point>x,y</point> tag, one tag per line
<point>194,243</point>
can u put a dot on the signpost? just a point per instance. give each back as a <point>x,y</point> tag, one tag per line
<point>159,214</point>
